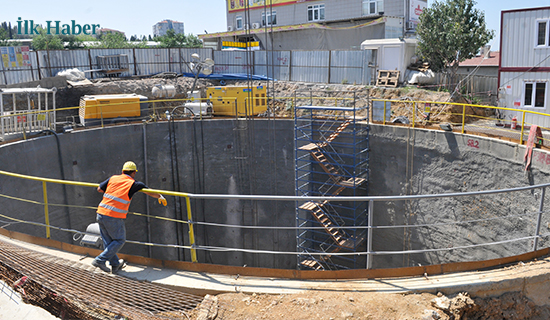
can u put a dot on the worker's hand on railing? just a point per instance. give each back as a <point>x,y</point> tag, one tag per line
<point>162,200</point>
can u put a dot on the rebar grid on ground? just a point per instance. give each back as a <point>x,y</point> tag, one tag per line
<point>97,293</point>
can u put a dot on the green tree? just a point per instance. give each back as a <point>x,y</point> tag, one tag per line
<point>113,40</point>
<point>178,40</point>
<point>142,44</point>
<point>3,38</point>
<point>72,42</point>
<point>172,40</point>
<point>193,41</point>
<point>44,41</point>
<point>450,32</point>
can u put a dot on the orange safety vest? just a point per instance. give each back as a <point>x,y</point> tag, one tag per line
<point>116,201</point>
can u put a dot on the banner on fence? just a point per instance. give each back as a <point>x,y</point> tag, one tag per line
<point>13,57</point>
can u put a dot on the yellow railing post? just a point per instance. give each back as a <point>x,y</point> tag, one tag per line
<point>101,113</point>
<point>522,127</point>
<point>46,212</point>
<point>384,117</point>
<point>414,113</point>
<point>191,232</point>
<point>463,117</point>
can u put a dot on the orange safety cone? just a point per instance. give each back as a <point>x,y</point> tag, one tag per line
<point>514,122</point>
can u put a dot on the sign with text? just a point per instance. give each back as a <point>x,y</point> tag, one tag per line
<point>416,8</point>
<point>238,5</point>
<point>14,57</point>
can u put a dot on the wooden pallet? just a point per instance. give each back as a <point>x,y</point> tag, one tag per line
<point>387,78</point>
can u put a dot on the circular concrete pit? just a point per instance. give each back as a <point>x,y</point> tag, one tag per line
<point>257,157</point>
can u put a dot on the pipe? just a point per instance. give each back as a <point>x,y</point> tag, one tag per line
<point>175,182</point>
<point>62,171</point>
<point>148,219</point>
<point>175,179</point>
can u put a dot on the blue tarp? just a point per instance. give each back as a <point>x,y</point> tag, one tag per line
<point>228,76</point>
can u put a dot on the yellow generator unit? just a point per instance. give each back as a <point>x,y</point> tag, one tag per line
<point>113,107</point>
<point>237,101</point>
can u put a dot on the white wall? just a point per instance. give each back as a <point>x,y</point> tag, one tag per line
<point>520,58</point>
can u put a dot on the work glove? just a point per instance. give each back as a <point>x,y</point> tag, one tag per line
<point>162,200</point>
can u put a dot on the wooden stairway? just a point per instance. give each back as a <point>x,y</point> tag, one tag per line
<point>326,165</point>
<point>337,235</point>
<point>318,210</point>
<point>333,135</point>
<point>312,264</point>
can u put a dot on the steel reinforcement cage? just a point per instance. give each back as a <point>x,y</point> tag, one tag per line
<point>332,159</point>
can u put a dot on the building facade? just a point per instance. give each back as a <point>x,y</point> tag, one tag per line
<point>316,24</point>
<point>524,70</point>
<point>485,64</point>
<point>160,28</point>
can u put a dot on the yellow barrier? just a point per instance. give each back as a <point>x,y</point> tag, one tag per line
<point>95,185</point>
<point>190,222</point>
<point>294,99</point>
<point>463,114</point>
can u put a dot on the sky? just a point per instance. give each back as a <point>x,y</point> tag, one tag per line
<point>137,17</point>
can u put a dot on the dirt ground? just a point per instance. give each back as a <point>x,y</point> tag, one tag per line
<point>377,306</point>
<point>285,93</point>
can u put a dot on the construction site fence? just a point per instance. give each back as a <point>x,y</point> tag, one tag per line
<point>322,66</point>
<point>463,117</point>
<point>532,220</point>
<point>480,88</point>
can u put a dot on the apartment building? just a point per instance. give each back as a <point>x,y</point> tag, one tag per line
<point>160,28</point>
<point>316,24</point>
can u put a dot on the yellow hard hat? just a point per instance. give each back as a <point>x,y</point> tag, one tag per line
<point>129,166</point>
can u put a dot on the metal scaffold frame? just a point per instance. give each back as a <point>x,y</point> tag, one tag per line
<point>332,159</point>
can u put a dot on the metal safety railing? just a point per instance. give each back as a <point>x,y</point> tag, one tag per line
<point>421,113</point>
<point>417,112</point>
<point>484,221</point>
<point>27,122</point>
<point>495,119</point>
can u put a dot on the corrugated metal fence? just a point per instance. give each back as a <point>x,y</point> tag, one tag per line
<point>311,66</point>
<point>480,89</point>
<point>337,66</point>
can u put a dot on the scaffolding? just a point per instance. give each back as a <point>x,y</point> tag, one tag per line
<point>25,111</point>
<point>332,159</point>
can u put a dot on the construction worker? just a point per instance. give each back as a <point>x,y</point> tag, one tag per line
<point>111,212</point>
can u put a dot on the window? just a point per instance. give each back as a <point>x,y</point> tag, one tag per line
<point>271,18</point>
<point>239,21</point>
<point>534,94</point>
<point>373,7</point>
<point>316,12</point>
<point>542,34</point>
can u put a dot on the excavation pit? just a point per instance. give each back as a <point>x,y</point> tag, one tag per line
<point>243,157</point>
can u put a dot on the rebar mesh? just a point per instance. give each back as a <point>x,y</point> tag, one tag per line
<point>94,294</point>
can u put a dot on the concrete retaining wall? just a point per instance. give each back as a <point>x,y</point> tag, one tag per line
<point>406,161</point>
<point>257,157</point>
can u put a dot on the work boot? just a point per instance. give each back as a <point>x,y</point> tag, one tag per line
<point>101,266</point>
<point>116,268</point>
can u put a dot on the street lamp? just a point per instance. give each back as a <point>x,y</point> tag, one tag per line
<point>204,66</point>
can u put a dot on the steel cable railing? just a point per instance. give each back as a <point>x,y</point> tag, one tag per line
<point>369,227</point>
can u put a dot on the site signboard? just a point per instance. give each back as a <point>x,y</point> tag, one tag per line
<point>14,57</point>
<point>238,5</point>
